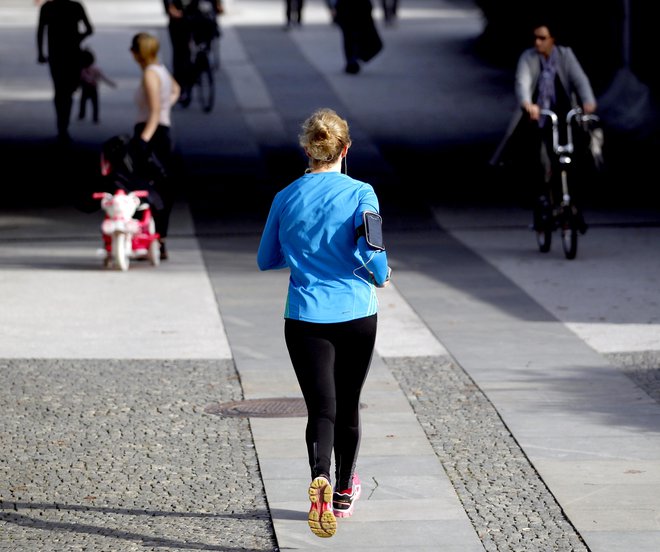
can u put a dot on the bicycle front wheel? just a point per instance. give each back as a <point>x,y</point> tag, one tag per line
<point>544,239</point>
<point>205,82</point>
<point>569,234</point>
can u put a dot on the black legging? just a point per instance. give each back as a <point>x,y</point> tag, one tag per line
<point>331,362</point>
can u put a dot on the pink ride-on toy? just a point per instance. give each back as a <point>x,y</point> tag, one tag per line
<point>124,236</point>
<point>129,201</point>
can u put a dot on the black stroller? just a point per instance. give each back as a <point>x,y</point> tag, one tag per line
<point>122,168</point>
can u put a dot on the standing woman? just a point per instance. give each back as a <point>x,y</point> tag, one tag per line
<point>315,228</point>
<point>154,98</point>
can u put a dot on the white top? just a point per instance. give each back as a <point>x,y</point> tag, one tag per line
<point>165,96</point>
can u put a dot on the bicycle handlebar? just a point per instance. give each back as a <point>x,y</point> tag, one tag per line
<point>136,193</point>
<point>574,114</point>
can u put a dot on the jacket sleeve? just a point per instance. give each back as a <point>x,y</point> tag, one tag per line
<point>526,77</point>
<point>270,255</point>
<point>578,79</point>
<point>374,261</point>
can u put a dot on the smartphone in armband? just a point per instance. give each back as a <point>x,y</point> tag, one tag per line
<point>372,230</point>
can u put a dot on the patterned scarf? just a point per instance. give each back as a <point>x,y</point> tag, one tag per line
<point>547,82</point>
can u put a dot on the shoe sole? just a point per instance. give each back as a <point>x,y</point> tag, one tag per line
<point>349,511</point>
<point>321,519</point>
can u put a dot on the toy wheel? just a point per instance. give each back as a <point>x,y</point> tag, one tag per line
<point>120,251</point>
<point>154,253</point>
<point>544,240</point>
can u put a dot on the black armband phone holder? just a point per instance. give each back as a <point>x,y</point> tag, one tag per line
<point>372,230</point>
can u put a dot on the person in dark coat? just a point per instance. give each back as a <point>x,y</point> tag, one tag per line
<point>60,20</point>
<point>180,31</point>
<point>361,39</point>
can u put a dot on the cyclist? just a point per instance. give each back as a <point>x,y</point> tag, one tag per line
<point>548,76</point>
<point>183,16</point>
<point>204,20</point>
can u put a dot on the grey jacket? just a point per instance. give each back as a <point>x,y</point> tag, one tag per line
<point>571,75</point>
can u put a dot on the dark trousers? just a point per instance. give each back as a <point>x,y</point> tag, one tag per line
<point>180,34</point>
<point>294,11</point>
<point>66,76</point>
<point>331,362</point>
<point>89,93</point>
<point>390,9</point>
<point>546,174</point>
<point>361,40</point>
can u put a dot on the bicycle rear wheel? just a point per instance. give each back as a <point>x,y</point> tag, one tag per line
<point>205,82</point>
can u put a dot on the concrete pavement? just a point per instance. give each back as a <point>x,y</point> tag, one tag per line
<point>513,400</point>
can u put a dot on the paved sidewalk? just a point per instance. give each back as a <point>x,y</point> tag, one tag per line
<point>513,402</point>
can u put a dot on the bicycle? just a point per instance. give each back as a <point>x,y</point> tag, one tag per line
<point>563,214</point>
<point>205,54</point>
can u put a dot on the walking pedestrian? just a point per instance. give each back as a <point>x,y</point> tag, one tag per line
<point>157,93</point>
<point>91,76</point>
<point>60,20</point>
<point>361,40</point>
<point>316,229</point>
<point>180,32</point>
<point>390,8</point>
<point>294,10</point>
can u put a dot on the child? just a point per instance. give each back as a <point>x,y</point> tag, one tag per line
<point>90,77</point>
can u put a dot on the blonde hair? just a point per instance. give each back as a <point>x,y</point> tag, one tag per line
<point>145,47</point>
<point>324,135</point>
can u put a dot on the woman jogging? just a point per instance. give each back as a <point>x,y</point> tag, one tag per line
<point>316,228</point>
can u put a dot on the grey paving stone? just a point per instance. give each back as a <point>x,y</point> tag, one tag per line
<point>111,455</point>
<point>509,505</point>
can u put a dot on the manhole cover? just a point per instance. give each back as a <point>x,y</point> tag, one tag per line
<point>261,408</point>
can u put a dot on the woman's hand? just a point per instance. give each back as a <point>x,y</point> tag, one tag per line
<point>532,110</point>
<point>385,283</point>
